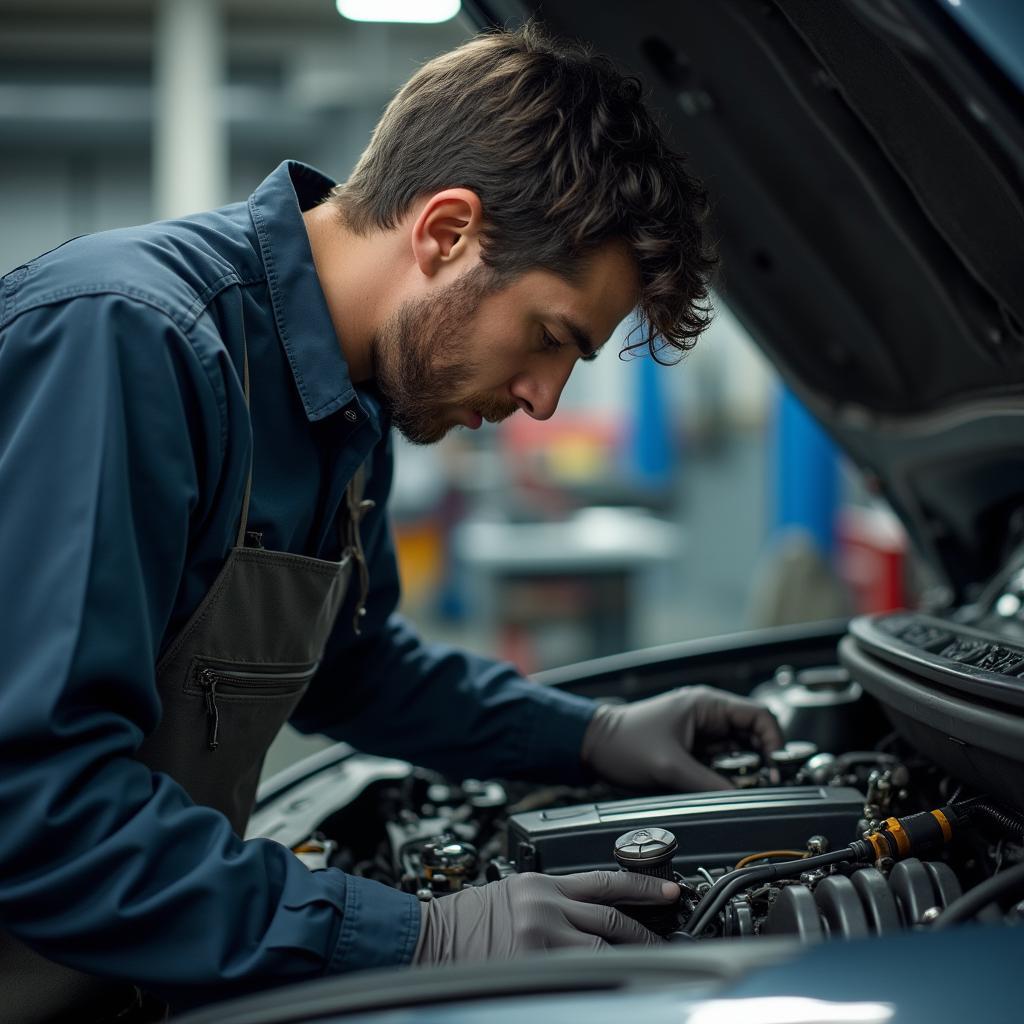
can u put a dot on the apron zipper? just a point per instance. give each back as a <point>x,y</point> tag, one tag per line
<point>214,681</point>
<point>208,681</point>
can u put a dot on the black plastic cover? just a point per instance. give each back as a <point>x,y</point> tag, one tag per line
<point>712,829</point>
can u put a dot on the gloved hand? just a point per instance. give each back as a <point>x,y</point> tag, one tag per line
<point>532,911</point>
<point>647,744</point>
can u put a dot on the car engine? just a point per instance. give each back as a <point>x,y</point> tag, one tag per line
<point>848,831</point>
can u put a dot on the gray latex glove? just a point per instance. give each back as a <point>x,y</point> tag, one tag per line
<point>529,912</point>
<point>647,744</point>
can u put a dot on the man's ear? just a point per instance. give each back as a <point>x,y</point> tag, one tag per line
<point>447,230</point>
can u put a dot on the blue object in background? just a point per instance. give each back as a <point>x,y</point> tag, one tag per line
<point>651,450</point>
<point>806,473</point>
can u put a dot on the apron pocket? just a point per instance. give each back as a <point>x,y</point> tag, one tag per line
<point>222,686</point>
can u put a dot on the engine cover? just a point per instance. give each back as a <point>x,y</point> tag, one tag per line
<point>713,829</point>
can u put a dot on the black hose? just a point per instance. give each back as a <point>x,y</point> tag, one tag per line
<point>980,807</point>
<point>964,807</point>
<point>1007,821</point>
<point>973,808</point>
<point>713,901</point>
<point>1002,886</point>
<point>728,885</point>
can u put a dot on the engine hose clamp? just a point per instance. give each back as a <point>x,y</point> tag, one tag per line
<point>944,824</point>
<point>895,828</point>
<point>879,844</point>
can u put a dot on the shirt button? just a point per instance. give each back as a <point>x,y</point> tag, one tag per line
<point>351,415</point>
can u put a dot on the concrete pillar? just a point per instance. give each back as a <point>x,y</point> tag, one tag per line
<point>189,129</point>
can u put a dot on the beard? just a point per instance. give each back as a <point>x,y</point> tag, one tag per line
<point>421,360</point>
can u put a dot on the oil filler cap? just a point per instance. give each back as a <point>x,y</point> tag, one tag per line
<point>646,851</point>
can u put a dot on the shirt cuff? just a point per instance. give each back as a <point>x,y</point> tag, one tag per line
<point>555,737</point>
<point>380,927</point>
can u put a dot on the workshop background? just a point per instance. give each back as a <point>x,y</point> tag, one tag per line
<point>660,504</point>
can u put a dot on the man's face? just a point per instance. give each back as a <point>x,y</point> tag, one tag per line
<point>478,350</point>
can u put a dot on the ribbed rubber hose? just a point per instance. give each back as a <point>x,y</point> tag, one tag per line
<point>1006,820</point>
<point>728,885</point>
<point>975,807</point>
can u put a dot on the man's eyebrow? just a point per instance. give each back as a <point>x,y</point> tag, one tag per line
<point>579,335</point>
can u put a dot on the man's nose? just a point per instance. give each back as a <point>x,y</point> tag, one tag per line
<point>537,394</point>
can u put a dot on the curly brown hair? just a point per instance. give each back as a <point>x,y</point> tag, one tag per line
<point>564,156</point>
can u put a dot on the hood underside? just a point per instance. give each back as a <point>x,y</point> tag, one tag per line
<point>865,161</point>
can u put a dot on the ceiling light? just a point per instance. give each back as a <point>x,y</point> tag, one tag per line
<point>420,12</point>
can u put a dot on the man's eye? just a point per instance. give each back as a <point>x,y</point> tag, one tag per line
<point>551,342</point>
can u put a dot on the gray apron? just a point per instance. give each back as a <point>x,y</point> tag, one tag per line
<point>227,683</point>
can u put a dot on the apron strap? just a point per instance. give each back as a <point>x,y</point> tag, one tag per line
<point>358,506</point>
<point>244,522</point>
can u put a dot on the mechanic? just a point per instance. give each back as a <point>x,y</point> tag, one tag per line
<point>195,463</point>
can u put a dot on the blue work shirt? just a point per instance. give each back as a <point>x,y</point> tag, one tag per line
<point>125,443</point>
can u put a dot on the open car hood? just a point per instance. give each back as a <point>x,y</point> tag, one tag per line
<point>865,160</point>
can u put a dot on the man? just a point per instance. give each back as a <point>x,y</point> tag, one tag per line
<point>194,462</point>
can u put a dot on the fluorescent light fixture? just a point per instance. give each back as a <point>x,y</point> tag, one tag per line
<point>788,1010</point>
<point>419,12</point>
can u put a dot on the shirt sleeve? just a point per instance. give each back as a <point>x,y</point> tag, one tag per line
<point>387,692</point>
<point>112,440</point>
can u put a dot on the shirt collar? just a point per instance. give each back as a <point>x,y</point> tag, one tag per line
<point>300,309</point>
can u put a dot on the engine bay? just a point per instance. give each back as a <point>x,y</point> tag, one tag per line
<point>850,830</point>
